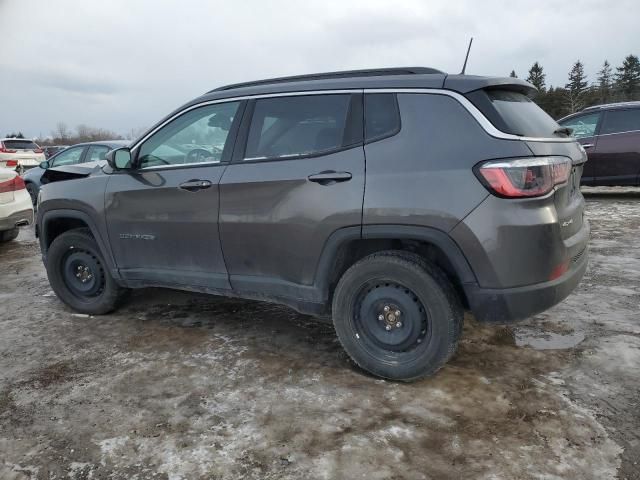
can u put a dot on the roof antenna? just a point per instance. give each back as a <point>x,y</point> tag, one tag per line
<point>464,67</point>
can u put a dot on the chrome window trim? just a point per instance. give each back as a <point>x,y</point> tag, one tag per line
<point>475,113</point>
<point>178,165</point>
<point>486,125</point>
<point>239,99</point>
<point>617,133</point>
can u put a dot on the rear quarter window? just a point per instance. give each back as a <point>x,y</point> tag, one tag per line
<point>381,116</point>
<point>619,121</point>
<point>515,113</point>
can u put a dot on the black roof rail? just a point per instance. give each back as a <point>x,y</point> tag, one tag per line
<point>330,75</point>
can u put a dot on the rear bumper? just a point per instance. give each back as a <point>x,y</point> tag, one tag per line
<point>17,219</point>
<point>505,305</point>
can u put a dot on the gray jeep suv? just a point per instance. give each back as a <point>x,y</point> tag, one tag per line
<point>388,200</point>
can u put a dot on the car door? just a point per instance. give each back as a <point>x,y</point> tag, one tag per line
<point>618,148</point>
<point>296,178</point>
<point>69,156</point>
<point>585,129</point>
<point>162,215</point>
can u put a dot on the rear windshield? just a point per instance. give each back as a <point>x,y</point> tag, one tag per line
<point>20,144</point>
<point>521,114</point>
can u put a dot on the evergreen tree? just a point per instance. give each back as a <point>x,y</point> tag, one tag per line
<point>14,135</point>
<point>628,78</point>
<point>605,83</point>
<point>536,77</point>
<point>513,74</point>
<point>576,88</point>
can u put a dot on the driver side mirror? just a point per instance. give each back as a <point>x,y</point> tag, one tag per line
<point>119,159</point>
<point>44,165</point>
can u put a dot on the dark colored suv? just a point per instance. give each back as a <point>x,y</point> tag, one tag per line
<point>389,200</point>
<point>611,136</point>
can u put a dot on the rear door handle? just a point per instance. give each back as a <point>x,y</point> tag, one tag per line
<point>330,177</point>
<point>588,145</point>
<point>195,185</point>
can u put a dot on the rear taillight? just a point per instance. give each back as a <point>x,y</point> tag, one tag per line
<point>16,183</point>
<point>12,163</point>
<point>524,177</point>
<point>6,150</point>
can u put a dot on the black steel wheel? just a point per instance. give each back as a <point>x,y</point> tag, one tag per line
<point>83,273</point>
<point>79,275</point>
<point>397,316</point>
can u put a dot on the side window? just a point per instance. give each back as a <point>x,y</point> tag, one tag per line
<point>70,156</point>
<point>618,121</point>
<point>198,136</point>
<point>584,125</point>
<point>96,152</point>
<point>381,116</point>
<point>296,126</point>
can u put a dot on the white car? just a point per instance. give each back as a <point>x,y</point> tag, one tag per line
<point>16,209</point>
<point>20,153</point>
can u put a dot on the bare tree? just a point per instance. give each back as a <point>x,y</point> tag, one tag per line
<point>61,132</point>
<point>83,132</point>
<point>135,133</point>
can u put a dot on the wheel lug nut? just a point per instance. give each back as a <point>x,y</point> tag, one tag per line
<point>386,308</point>
<point>381,317</point>
<point>388,327</point>
<point>397,312</point>
<point>398,325</point>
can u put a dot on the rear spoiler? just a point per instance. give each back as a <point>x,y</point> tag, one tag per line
<point>469,83</point>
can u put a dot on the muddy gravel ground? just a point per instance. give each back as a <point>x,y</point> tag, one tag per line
<point>185,386</point>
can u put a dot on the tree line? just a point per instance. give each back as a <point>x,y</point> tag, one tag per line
<point>623,85</point>
<point>63,135</point>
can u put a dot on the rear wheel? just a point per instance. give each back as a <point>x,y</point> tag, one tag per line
<point>397,316</point>
<point>33,192</point>
<point>8,235</point>
<point>79,275</point>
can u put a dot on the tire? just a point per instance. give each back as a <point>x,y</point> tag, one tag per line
<point>79,275</point>
<point>8,235</point>
<point>33,192</point>
<point>430,315</point>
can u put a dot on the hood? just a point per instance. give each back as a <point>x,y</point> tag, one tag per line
<point>70,172</point>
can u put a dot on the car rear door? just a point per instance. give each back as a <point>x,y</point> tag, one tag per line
<point>162,216</point>
<point>296,178</point>
<point>617,152</point>
<point>585,129</point>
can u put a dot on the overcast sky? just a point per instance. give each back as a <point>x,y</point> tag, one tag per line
<point>123,64</point>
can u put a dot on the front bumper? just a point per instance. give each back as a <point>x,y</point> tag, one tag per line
<point>506,305</point>
<point>17,219</point>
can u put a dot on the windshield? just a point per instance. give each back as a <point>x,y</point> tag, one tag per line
<point>521,115</point>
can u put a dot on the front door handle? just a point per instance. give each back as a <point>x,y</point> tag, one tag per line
<point>195,185</point>
<point>330,177</point>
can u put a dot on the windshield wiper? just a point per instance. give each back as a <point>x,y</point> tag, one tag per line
<point>566,130</point>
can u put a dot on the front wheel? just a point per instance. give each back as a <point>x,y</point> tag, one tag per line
<point>79,275</point>
<point>8,235</point>
<point>397,316</point>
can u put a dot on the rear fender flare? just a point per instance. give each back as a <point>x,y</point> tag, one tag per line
<point>434,236</point>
